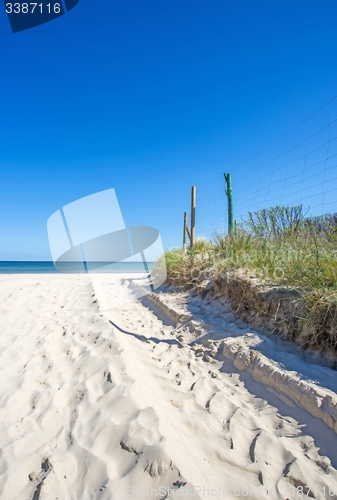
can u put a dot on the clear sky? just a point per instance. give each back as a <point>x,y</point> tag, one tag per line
<point>150,97</point>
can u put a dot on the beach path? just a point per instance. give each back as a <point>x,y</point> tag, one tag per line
<point>101,400</point>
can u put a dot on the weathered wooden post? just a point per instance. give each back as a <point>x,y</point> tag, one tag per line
<point>193,207</point>
<point>184,234</point>
<point>229,193</point>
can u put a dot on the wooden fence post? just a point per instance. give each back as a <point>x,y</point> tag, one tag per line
<point>229,193</point>
<point>193,207</point>
<point>185,231</point>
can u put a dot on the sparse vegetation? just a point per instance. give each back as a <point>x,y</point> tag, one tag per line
<point>280,246</point>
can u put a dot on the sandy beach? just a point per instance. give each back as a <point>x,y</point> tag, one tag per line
<point>104,396</point>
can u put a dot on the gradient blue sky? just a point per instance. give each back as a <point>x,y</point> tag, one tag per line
<point>150,97</point>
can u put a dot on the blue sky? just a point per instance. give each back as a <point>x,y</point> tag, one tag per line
<point>150,98</point>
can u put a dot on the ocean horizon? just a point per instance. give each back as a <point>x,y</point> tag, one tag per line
<point>47,267</point>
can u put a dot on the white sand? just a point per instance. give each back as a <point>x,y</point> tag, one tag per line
<point>89,411</point>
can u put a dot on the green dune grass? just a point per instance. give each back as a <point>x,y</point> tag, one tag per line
<point>283,247</point>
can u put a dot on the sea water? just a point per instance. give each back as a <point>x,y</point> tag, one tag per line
<point>47,267</point>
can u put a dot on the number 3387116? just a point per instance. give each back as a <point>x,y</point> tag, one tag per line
<point>31,8</point>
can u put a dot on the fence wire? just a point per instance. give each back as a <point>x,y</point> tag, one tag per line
<point>299,167</point>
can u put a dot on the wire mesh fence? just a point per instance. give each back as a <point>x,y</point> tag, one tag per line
<point>299,167</point>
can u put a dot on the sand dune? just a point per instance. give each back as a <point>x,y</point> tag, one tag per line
<point>105,397</point>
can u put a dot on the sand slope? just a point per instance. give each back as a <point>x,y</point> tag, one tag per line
<point>99,400</point>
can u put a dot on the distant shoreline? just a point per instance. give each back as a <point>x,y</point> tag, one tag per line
<point>47,267</point>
